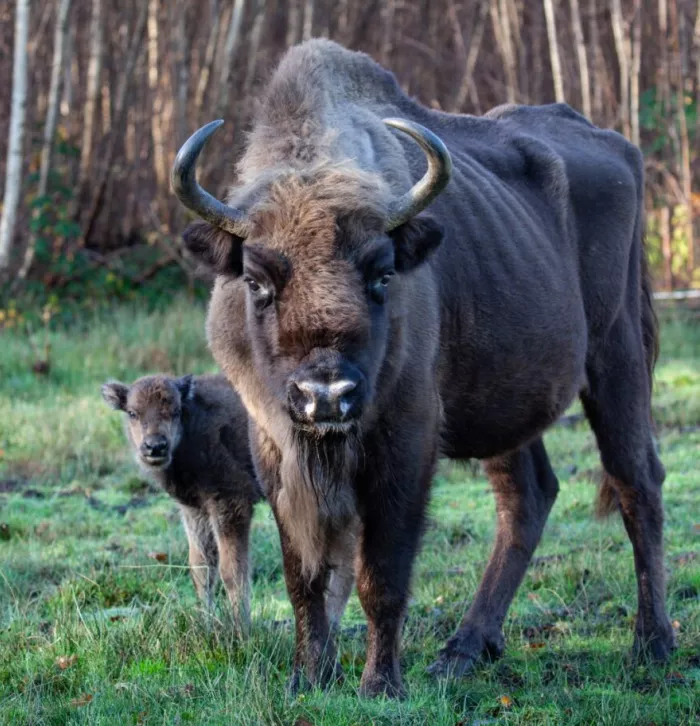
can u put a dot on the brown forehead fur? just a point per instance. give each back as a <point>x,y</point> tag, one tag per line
<point>152,391</point>
<point>300,208</point>
<point>318,220</point>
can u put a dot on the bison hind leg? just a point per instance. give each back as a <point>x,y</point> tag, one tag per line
<point>617,405</point>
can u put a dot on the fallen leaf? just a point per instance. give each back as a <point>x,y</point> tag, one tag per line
<point>535,646</point>
<point>66,661</point>
<point>81,701</point>
<point>675,677</point>
<point>506,701</point>
<point>159,556</point>
<point>696,527</point>
<point>676,624</point>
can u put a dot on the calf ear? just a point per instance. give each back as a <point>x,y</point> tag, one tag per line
<point>186,387</point>
<point>114,394</point>
<point>415,241</point>
<point>219,251</point>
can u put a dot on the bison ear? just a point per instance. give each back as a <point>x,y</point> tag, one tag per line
<point>218,250</point>
<point>114,394</point>
<point>186,387</point>
<point>415,241</point>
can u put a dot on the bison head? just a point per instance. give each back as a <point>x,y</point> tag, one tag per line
<point>319,254</point>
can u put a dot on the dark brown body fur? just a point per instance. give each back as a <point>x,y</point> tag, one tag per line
<point>208,471</point>
<point>524,287</point>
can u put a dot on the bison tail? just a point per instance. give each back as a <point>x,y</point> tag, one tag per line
<point>606,501</point>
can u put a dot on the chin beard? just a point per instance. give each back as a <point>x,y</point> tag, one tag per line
<point>317,499</point>
<point>155,464</point>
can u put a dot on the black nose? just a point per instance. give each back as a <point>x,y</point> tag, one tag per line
<point>155,445</point>
<point>318,401</point>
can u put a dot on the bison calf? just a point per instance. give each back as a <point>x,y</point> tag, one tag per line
<point>190,435</point>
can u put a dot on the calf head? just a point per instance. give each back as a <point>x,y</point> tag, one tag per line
<point>153,407</point>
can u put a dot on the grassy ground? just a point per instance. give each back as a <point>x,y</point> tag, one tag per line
<point>95,629</point>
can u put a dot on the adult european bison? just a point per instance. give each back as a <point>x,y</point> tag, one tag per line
<point>366,337</point>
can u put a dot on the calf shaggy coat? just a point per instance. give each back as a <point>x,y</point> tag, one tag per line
<point>190,435</point>
<point>364,339</point>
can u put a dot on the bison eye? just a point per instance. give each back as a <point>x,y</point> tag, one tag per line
<point>377,287</point>
<point>132,415</point>
<point>262,294</point>
<point>252,284</point>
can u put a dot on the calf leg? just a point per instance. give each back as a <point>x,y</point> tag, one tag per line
<point>203,554</point>
<point>231,522</point>
<point>342,577</point>
<point>525,488</point>
<point>617,404</point>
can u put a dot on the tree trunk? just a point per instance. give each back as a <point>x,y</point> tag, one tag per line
<point>59,47</point>
<point>621,48</point>
<point>181,53</point>
<point>308,19</point>
<point>502,31</point>
<point>230,47</point>
<point>205,72</point>
<point>598,69</point>
<point>636,69</point>
<point>666,251</point>
<point>472,57</point>
<point>387,43</point>
<point>577,29</point>
<point>696,53</point>
<point>132,56</point>
<point>253,50</point>
<point>554,51</point>
<point>685,172</point>
<point>13,171</point>
<point>92,92</point>
<point>160,165</point>
<point>294,23</point>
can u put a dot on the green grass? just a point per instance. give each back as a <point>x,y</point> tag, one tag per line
<point>77,525</point>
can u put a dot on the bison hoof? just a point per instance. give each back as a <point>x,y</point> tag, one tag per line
<point>464,650</point>
<point>654,644</point>
<point>376,683</point>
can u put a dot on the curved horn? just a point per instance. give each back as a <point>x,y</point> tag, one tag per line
<point>184,183</point>
<point>422,193</point>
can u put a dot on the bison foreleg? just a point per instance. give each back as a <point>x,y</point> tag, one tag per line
<point>525,488</point>
<point>315,661</point>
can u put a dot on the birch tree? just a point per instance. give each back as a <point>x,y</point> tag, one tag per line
<point>92,91</point>
<point>13,174</point>
<point>582,57</point>
<point>57,67</point>
<point>231,44</point>
<point>554,51</point>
